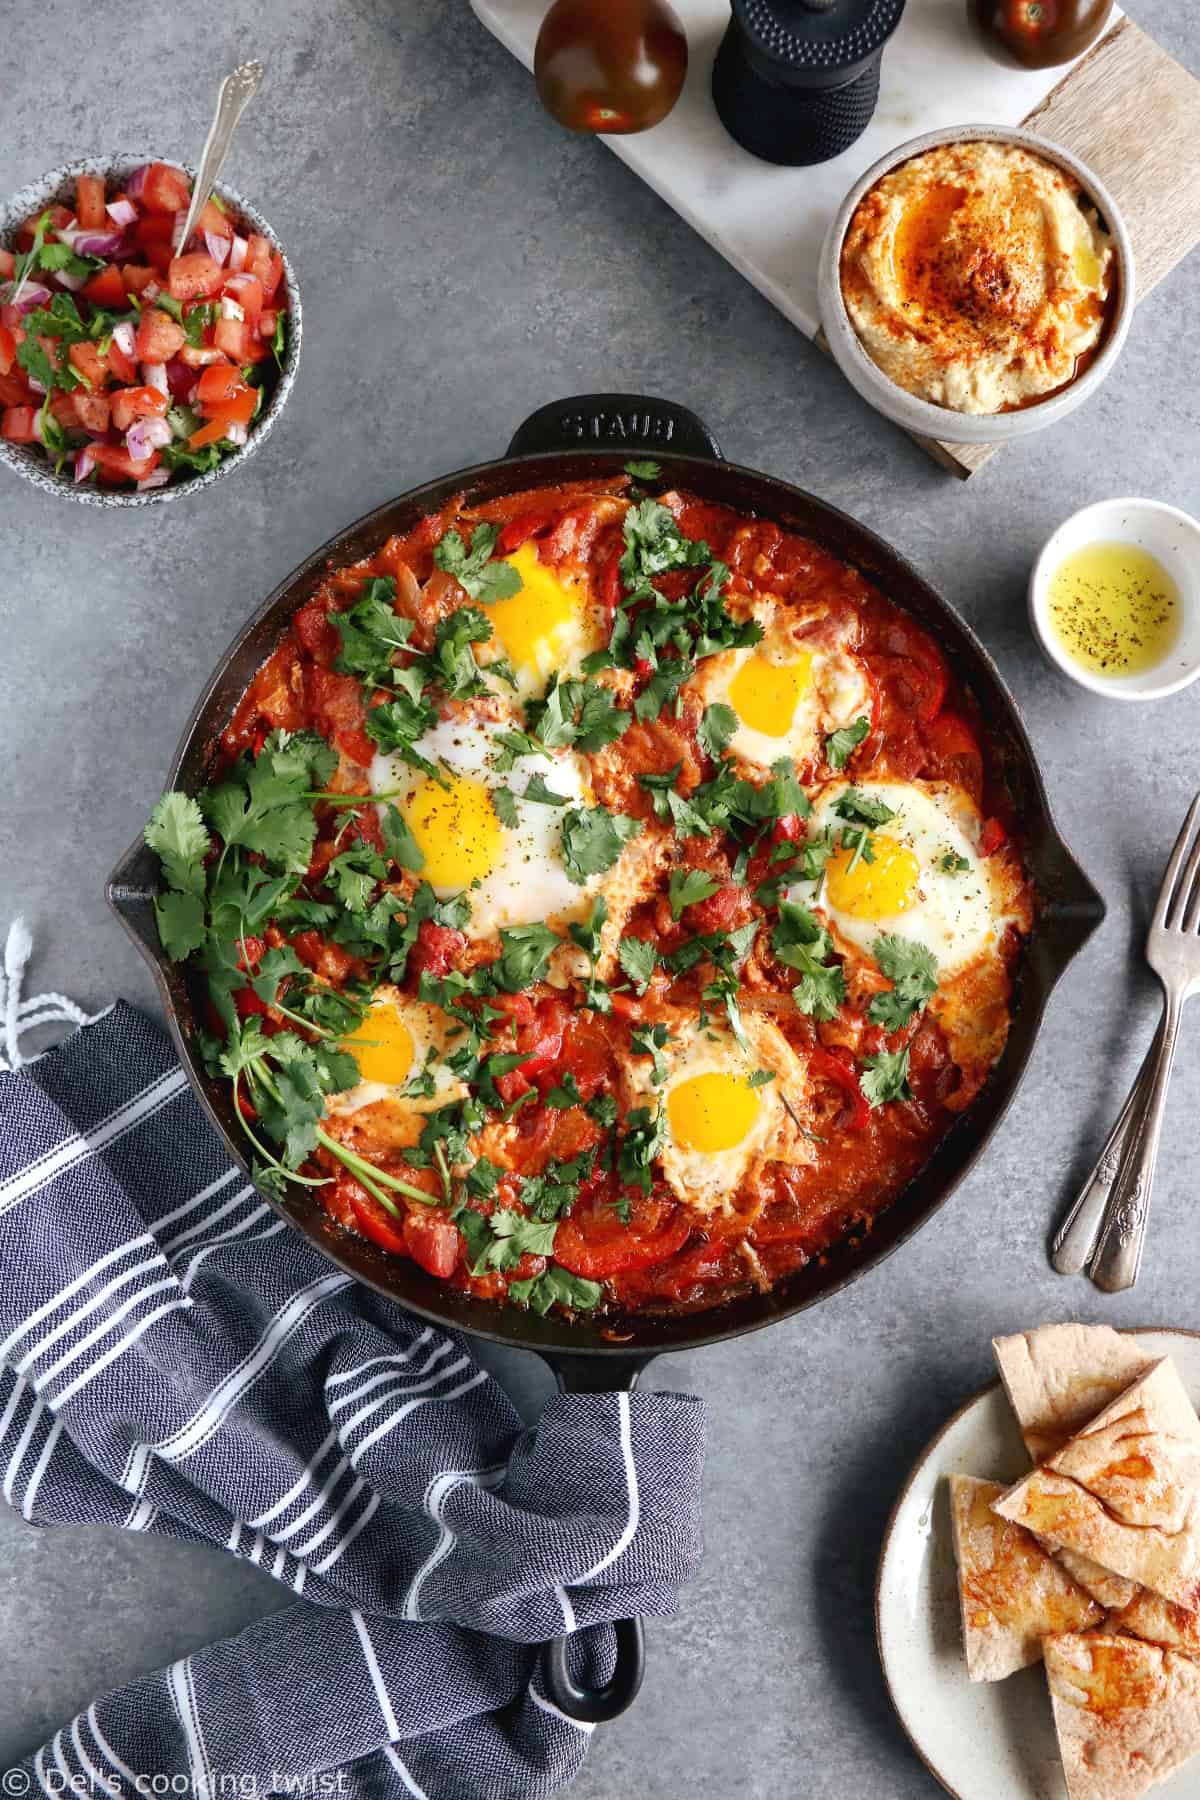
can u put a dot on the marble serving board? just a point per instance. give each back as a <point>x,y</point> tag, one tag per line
<point>770,222</point>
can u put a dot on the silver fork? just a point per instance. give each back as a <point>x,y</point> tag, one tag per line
<point>1075,1242</point>
<point>235,94</point>
<point>1173,952</point>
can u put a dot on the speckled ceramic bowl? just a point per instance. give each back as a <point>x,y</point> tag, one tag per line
<point>28,459</point>
<point>921,416</point>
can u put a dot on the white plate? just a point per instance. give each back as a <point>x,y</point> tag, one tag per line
<point>984,1740</point>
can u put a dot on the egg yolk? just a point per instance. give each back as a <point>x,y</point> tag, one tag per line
<point>535,624</point>
<point>873,890</point>
<point>382,1046</point>
<point>456,829</point>
<point>711,1112</point>
<point>765,695</point>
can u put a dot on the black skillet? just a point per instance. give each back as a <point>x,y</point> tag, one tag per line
<point>593,435</point>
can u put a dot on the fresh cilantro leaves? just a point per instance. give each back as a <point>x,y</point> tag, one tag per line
<point>525,952</point>
<point>716,729</point>
<point>556,1287</point>
<point>593,840</point>
<point>471,568</point>
<point>801,942</point>
<point>638,959</point>
<point>261,807</point>
<point>177,835</point>
<point>453,660</point>
<point>913,971</point>
<point>953,864</point>
<point>687,886</point>
<point>644,469</point>
<point>841,744</point>
<point>645,1134</point>
<point>861,808</point>
<point>579,713</point>
<point>885,1077</point>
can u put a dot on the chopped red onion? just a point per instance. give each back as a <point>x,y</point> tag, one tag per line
<point>217,247</point>
<point>155,376</point>
<point>145,435</point>
<point>33,295</point>
<point>34,383</point>
<point>123,336</point>
<point>230,308</point>
<point>237,434</point>
<point>72,283</point>
<point>85,462</point>
<point>135,182</point>
<point>87,241</point>
<point>121,212</point>
<point>239,252</point>
<point>155,479</point>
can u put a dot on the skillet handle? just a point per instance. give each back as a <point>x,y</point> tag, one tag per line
<point>632,422</point>
<point>596,1705</point>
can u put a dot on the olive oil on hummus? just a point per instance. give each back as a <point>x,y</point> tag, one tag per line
<point>978,276</point>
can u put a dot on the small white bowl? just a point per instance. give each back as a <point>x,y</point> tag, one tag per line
<point>1168,534</point>
<point>921,416</point>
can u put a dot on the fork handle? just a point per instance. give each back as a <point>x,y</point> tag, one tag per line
<point>1115,1265</point>
<point>1076,1240</point>
<point>236,92</point>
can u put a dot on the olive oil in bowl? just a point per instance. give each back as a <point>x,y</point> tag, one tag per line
<point>1113,609</point>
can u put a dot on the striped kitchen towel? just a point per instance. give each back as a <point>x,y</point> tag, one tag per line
<point>175,1360</point>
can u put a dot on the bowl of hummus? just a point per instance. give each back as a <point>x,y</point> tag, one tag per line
<point>977,284</point>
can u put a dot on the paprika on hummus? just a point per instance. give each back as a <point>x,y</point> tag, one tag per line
<point>977,276</point>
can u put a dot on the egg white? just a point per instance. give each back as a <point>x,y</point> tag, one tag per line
<point>522,878</point>
<point>956,914</point>
<point>709,1179</point>
<point>433,1036</point>
<point>834,691</point>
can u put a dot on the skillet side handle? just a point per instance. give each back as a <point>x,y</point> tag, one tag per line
<point>635,422</point>
<point>592,1705</point>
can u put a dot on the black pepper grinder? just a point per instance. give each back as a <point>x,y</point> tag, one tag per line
<point>796,81</point>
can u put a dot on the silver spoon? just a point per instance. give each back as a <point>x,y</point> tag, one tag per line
<point>237,90</point>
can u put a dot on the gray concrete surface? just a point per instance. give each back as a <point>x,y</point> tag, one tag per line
<point>464,261</point>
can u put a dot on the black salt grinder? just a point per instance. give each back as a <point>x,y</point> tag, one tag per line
<point>796,81</point>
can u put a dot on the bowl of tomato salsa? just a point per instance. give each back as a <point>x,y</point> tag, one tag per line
<point>134,368</point>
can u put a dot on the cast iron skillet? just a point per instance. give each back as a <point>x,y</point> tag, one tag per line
<point>593,435</point>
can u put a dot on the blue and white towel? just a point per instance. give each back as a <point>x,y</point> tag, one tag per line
<point>175,1360</point>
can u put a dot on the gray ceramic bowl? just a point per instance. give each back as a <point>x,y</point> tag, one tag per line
<point>28,459</point>
<point>941,421</point>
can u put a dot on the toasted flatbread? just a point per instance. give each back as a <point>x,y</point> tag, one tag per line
<point>1060,1376</point>
<point>1110,1591</point>
<point>1159,1621</point>
<point>1126,1491</point>
<point>1127,1713</point>
<point>1012,1592</point>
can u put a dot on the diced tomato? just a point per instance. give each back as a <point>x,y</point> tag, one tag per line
<point>212,433</point>
<point>59,216</point>
<point>519,530</point>
<point>247,291</point>
<point>267,325</point>
<point>214,220</point>
<point>432,1241</point>
<point>218,384</point>
<point>8,349</point>
<point>91,410</point>
<point>436,949</point>
<point>683,1275</point>
<point>540,1040</point>
<point>154,237</point>
<point>137,277</point>
<point>262,261</point>
<point>90,364</point>
<point>165,190</point>
<point>955,753</point>
<point>316,634</point>
<point>836,1068</point>
<point>725,910</point>
<point>106,288</point>
<point>115,463</point>
<point>326,959</point>
<point>788,830</point>
<point>611,590</point>
<point>15,390</point>
<point>202,356</point>
<point>276,695</point>
<point>8,264</point>
<point>239,410</point>
<point>18,424</point>
<point>132,403</point>
<point>121,367</point>
<point>375,1221</point>
<point>195,276</point>
<point>159,338</point>
<point>89,201</point>
<point>239,341</point>
<point>248,1003</point>
<point>336,702</point>
<point>595,1243</point>
<point>992,837</point>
